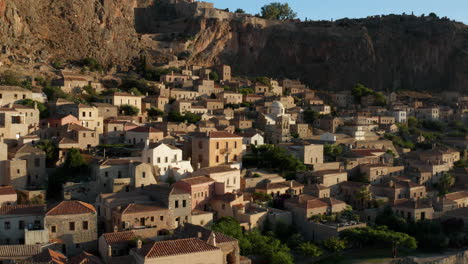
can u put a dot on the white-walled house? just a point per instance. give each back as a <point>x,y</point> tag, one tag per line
<point>168,159</point>
<point>254,138</point>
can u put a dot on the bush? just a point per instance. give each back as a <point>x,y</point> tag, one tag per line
<point>154,113</point>
<point>278,11</point>
<point>92,64</point>
<point>334,244</point>
<point>129,110</point>
<point>310,250</point>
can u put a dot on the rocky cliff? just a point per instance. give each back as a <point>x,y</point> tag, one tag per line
<point>392,52</point>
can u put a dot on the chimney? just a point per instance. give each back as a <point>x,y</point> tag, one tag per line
<point>199,235</point>
<point>116,229</point>
<point>139,243</point>
<point>147,143</point>
<point>109,251</point>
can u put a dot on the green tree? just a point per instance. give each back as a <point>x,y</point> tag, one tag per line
<point>278,11</point>
<point>54,92</point>
<point>10,77</point>
<point>214,76</point>
<point>74,160</point>
<point>174,116</point>
<point>43,110</point>
<point>51,151</point>
<point>309,249</point>
<point>310,116</point>
<point>92,64</point>
<point>129,110</point>
<point>445,182</point>
<point>192,118</point>
<point>154,113</point>
<point>239,11</point>
<point>334,244</point>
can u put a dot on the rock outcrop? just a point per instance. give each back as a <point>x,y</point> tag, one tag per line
<point>386,53</point>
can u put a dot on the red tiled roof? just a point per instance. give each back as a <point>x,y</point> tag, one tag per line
<point>139,208</point>
<point>210,170</point>
<point>17,251</point>
<point>197,180</point>
<point>367,152</point>
<point>144,129</point>
<point>116,162</point>
<point>175,247</point>
<point>49,256</point>
<point>119,237</point>
<point>456,195</point>
<point>22,209</point>
<point>222,134</point>
<point>85,258</point>
<point>71,207</point>
<point>7,190</point>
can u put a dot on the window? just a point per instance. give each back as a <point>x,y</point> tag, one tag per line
<point>84,135</point>
<point>143,174</point>
<point>83,114</point>
<point>85,225</point>
<point>71,226</point>
<point>166,159</point>
<point>161,218</point>
<point>217,145</point>
<point>235,144</point>
<point>77,245</point>
<point>159,160</point>
<point>106,174</point>
<point>7,225</point>
<point>177,204</point>
<point>223,206</point>
<point>53,229</point>
<point>21,225</point>
<point>200,144</point>
<point>152,218</point>
<point>37,162</point>
<point>217,158</point>
<point>184,203</point>
<point>227,144</point>
<point>119,174</point>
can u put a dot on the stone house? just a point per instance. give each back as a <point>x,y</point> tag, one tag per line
<point>452,201</point>
<point>182,106</point>
<point>317,190</point>
<point>174,78</point>
<point>224,72</point>
<point>116,246</point>
<point>253,98</point>
<point>252,138</point>
<point>328,123</point>
<point>119,99</point>
<point>204,88</point>
<point>17,121</point>
<point>227,179</point>
<point>231,97</point>
<point>14,172</point>
<point>157,101</point>
<point>241,122</point>
<point>186,250</point>
<point>413,210</point>
<point>378,173</point>
<point>119,175</point>
<point>329,178</point>
<point>11,94</point>
<point>213,104</point>
<point>201,189</point>
<point>400,188</point>
<point>73,225</point>
<point>227,205</point>
<point>138,216</point>
<point>216,148</point>
<point>181,94</point>
<point>114,130</point>
<point>8,195</point>
<point>35,163</point>
<point>76,136</point>
<point>106,110</point>
<point>17,220</point>
<point>355,157</point>
<point>430,113</point>
<point>276,189</point>
<point>175,199</point>
<point>309,154</point>
<point>88,117</point>
<point>305,206</point>
<point>143,134</point>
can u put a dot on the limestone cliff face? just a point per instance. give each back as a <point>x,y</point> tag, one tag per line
<point>35,31</point>
<point>385,53</point>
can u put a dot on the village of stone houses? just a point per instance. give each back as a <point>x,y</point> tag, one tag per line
<point>199,165</point>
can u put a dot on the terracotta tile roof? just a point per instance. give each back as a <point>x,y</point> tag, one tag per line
<point>197,180</point>
<point>109,162</point>
<point>128,236</point>
<point>7,190</point>
<point>315,203</point>
<point>22,209</point>
<point>13,88</point>
<point>85,258</point>
<point>456,195</point>
<point>210,170</point>
<point>227,197</point>
<point>76,127</point>
<point>367,152</point>
<point>175,247</point>
<point>222,134</point>
<point>192,230</point>
<point>144,129</point>
<point>19,251</point>
<point>140,208</point>
<point>124,94</point>
<point>71,208</point>
<point>407,203</point>
<point>26,148</point>
<point>49,256</point>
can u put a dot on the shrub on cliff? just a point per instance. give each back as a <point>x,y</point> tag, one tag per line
<point>278,11</point>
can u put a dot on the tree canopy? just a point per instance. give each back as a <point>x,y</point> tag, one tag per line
<point>129,110</point>
<point>278,11</point>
